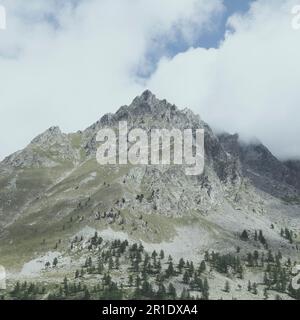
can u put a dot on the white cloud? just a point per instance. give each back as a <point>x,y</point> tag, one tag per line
<point>250,84</point>
<point>67,64</point>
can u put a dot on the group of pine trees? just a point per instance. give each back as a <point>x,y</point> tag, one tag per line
<point>126,270</point>
<point>27,291</point>
<point>287,234</point>
<point>258,236</point>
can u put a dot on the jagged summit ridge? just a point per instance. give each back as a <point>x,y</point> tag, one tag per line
<point>50,136</point>
<point>48,149</point>
<point>226,156</point>
<point>147,105</point>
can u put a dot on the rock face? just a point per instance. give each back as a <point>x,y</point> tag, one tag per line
<point>46,150</point>
<point>265,171</point>
<point>148,112</point>
<point>56,176</point>
<point>173,193</point>
<point>294,173</point>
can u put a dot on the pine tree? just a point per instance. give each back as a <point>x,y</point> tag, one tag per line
<point>227,287</point>
<point>254,288</point>
<point>87,295</point>
<point>17,288</point>
<point>191,268</point>
<point>270,257</point>
<point>184,294</point>
<point>172,291</point>
<point>81,273</point>
<point>244,236</point>
<point>202,267</point>
<point>186,278</point>
<point>66,287</point>
<point>161,292</point>
<point>205,291</point>
<point>250,259</point>
<point>158,265</point>
<point>55,262</point>
<point>146,289</point>
<point>130,280</point>
<point>206,256</point>
<point>162,254</point>
<point>117,263</point>
<point>154,255</point>
<point>137,281</point>
<point>181,265</point>
<point>261,238</point>
<point>249,286</point>
<point>170,271</point>
<point>266,280</point>
<point>110,263</point>
<point>100,267</point>
<point>255,255</point>
<point>205,285</point>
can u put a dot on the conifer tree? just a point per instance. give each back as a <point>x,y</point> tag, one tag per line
<point>162,254</point>
<point>186,278</point>
<point>244,236</point>
<point>227,286</point>
<point>172,291</point>
<point>249,287</point>
<point>202,267</point>
<point>55,262</point>
<point>254,288</point>
<point>181,265</point>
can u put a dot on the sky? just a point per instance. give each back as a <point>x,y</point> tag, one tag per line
<point>234,62</point>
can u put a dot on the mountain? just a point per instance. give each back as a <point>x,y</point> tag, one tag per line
<point>54,190</point>
<point>54,158</point>
<point>263,169</point>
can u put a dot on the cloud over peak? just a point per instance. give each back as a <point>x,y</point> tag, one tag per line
<point>250,84</point>
<point>67,63</point>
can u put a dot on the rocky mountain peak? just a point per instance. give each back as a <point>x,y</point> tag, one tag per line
<point>51,135</point>
<point>264,170</point>
<point>227,159</point>
<point>147,96</point>
<point>146,104</point>
<point>230,143</point>
<point>48,149</point>
<point>146,111</point>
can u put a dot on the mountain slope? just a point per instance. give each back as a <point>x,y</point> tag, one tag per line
<point>55,189</point>
<point>265,171</point>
